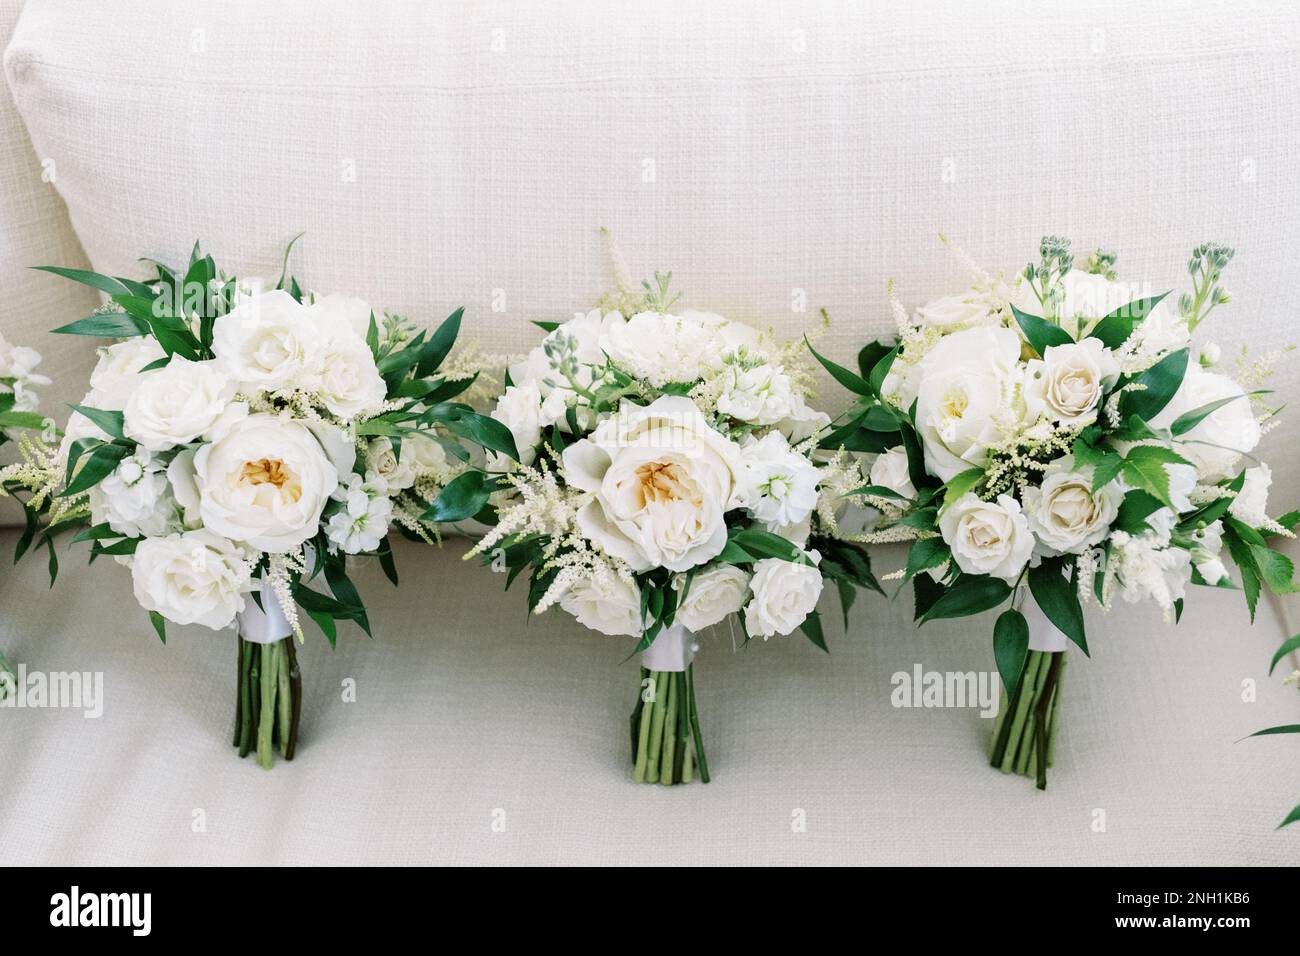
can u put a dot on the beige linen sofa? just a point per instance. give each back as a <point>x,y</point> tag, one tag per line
<point>778,158</point>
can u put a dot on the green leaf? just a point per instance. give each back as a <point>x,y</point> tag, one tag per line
<point>1105,464</point>
<point>875,491</point>
<point>1161,381</point>
<point>336,576</point>
<point>925,554</point>
<point>439,344</point>
<point>284,267</point>
<point>1144,467</point>
<point>1189,420</point>
<point>848,594</point>
<point>1011,647</point>
<point>1291,817</point>
<point>870,355</point>
<point>106,325</point>
<point>32,420</point>
<point>1281,729</point>
<point>372,337</point>
<point>100,463</point>
<point>1059,600</point>
<point>385,554</point>
<point>326,623</point>
<point>1244,558</point>
<point>959,484</point>
<point>486,432</point>
<point>1276,569</point>
<point>1289,645</point>
<point>159,625</point>
<point>970,594</point>
<point>925,592</point>
<point>95,280</point>
<point>1114,329</point>
<point>854,383</point>
<point>109,422</point>
<point>812,629</point>
<point>765,544</point>
<point>880,371</point>
<point>1136,507</point>
<point>1040,333</point>
<point>461,498</point>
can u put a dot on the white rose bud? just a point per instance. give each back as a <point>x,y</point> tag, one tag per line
<point>890,470</point>
<point>1068,382</point>
<point>606,603</point>
<point>1066,514</point>
<point>987,537</point>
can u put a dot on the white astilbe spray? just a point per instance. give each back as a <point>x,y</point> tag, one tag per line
<point>542,504</point>
<point>280,569</point>
<point>41,473</point>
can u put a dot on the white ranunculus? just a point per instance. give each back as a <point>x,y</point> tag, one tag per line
<point>661,480</point>
<point>987,537</point>
<point>780,484</point>
<point>177,403</point>
<point>1067,383</point>
<point>713,594</point>
<point>264,483</point>
<point>349,382</point>
<point>663,348</point>
<point>890,470</point>
<point>117,372</point>
<point>1251,504</point>
<point>952,313</point>
<point>966,391</point>
<point>520,409</point>
<point>363,521</point>
<point>192,578</point>
<point>606,603</point>
<point>784,594</point>
<point>1217,443</point>
<point>1066,515</point>
<point>134,499</point>
<point>397,473</point>
<point>268,343</point>
<point>759,395</point>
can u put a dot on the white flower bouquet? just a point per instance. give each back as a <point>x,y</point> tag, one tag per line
<point>665,483</point>
<point>240,443</point>
<point>1054,440</point>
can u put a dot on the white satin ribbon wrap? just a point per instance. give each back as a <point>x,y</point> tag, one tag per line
<point>264,625</point>
<point>1043,634</point>
<point>673,650</point>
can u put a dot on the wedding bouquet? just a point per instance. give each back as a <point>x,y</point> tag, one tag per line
<point>239,443</point>
<point>1054,440</point>
<point>665,483</point>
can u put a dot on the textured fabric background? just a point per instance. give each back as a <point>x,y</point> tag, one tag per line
<point>462,711</point>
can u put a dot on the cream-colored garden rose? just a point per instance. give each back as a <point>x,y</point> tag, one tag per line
<point>1067,383</point>
<point>966,390</point>
<point>177,403</point>
<point>264,483</point>
<point>349,382</point>
<point>192,578</point>
<point>1216,444</point>
<point>987,537</point>
<point>890,470</point>
<point>784,594</point>
<point>712,595</point>
<point>269,342</point>
<point>661,480</point>
<point>1065,514</point>
<point>116,374</point>
<point>606,603</point>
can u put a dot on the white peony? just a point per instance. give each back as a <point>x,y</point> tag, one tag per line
<point>1065,514</point>
<point>759,395</point>
<point>966,394</point>
<point>363,521</point>
<point>396,473</point>
<point>780,484</point>
<point>134,499</point>
<point>117,372</point>
<point>1251,504</point>
<point>784,594</point>
<point>177,403</point>
<point>662,348</point>
<point>192,578</point>
<point>661,480</point>
<point>987,537</point>
<point>713,594</point>
<point>890,470</point>
<point>606,603</point>
<point>264,483</point>
<point>269,342</point>
<point>1067,383</point>
<point>349,382</point>
<point>1217,443</point>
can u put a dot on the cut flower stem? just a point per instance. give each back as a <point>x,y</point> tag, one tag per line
<point>1024,734</point>
<point>667,746</point>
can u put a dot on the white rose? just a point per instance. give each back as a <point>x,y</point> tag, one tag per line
<point>268,343</point>
<point>340,315</point>
<point>761,395</point>
<point>802,422</point>
<point>966,390</point>
<point>785,594</point>
<point>1064,512</point>
<point>952,313</point>
<point>1182,479</point>
<point>177,403</point>
<point>264,483</point>
<point>1251,504</point>
<point>520,409</point>
<point>191,578</point>
<point>363,521</point>
<point>424,454</point>
<point>606,603</point>
<point>134,499</point>
<point>780,484</point>
<point>661,480</point>
<point>79,426</point>
<point>587,334</point>
<point>987,537</point>
<point>1068,381</point>
<point>349,382</point>
<point>118,369</point>
<point>712,595</point>
<point>890,470</point>
<point>1089,297</point>
<point>396,473</point>
<point>1219,440</point>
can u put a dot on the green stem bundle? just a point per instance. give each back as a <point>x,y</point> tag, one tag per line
<point>268,700</point>
<point>667,746</point>
<point>1024,734</point>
